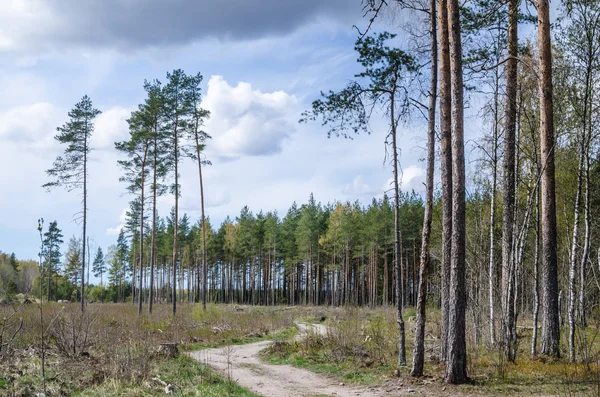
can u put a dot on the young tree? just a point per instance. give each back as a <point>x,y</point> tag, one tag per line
<point>72,266</point>
<point>51,249</point>
<point>71,170</point>
<point>384,81</point>
<point>99,269</point>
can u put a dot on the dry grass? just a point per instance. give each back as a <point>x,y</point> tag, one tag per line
<point>110,344</point>
<point>361,346</point>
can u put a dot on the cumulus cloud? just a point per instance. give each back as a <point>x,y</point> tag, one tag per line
<point>247,122</point>
<point>114,231</point>
<point>48,24</point>
<point>360,188</point>
<point>110,126</point>
<point>411,178</point>
<point>31,125</point>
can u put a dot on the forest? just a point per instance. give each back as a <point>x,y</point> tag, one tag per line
<point>487,282</point>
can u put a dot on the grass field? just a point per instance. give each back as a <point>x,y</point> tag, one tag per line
<point>111,351</point>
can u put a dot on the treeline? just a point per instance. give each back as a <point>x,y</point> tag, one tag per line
<point>16,276</point>
<point>338,253</point>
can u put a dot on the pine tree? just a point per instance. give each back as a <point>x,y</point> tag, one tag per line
<point>199,137</point>
<point>383,82</point>
<point>99,268</point>
<point>177,110</point>
<point>71,171</point>
<point>73,258</point>
<point>51,249</point>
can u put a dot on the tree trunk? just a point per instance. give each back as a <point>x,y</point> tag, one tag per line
<point>153,248</point>
<point>202,215</point>
<point>85,149</point>
<point>176,221</point>
<point>492,259</point>
<point>419,345</point>
<point>574,245</point>
<point>142,198</point>
<point>456,363</point>
<point>399,294</point>
<point>508,202</point>
<point>550,315</point>
<point>536,287</point>
<point>446,148</point>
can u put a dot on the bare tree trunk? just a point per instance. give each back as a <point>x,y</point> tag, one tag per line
<point>492,258</point>
<point>153,248</point>
<point>456,362</point>
<point>508,202</point>
<point>399,294</point>
<point>586,243</point>
<point>202,215</point>
<point>85,144</point>
<point>419,345</point>
<point>574,245</point>
<point>446,147</point>
<point>142,198</point>
<point>550,314</point>
<point>176,221</point>
<point>536,287</point>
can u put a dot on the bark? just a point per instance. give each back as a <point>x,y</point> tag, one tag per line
<point>176,220</point>
<point>508,202</point>
<point>446,128</point>
<point>492,259</point>
<point>419,345</point>
<point>142,198</point>
<point>154,194</point>
<point>400,320</point>
<point>574,246</point>
<point>204,265</point>
<point>536,287</point>
<point>456,362</point>
<point>85,150</point>
<point>550,314</point>
<point>586,244</point>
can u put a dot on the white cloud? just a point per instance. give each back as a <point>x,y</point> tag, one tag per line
<point>411,178</point>
<point>114,231</point>
<point>110,126</point>
<point>360,188</point>
<point>32,125</point>
<point>247,122</point>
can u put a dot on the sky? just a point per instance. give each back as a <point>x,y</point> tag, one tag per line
<point>263,62</point>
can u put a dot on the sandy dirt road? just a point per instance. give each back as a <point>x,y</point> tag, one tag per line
<point>242,364</point>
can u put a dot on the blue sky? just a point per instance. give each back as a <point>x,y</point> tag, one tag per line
<point>263,64</point>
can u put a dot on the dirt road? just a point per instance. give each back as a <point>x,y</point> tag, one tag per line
<point>242,364</point>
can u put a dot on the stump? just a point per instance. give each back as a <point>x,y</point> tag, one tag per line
<point>169,350</point>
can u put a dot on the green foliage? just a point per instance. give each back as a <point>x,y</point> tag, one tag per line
<point>68,171</point>
<point>384,81</point>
